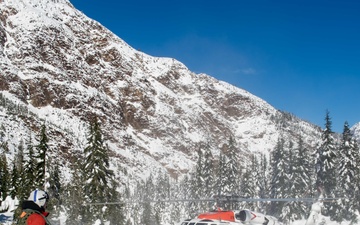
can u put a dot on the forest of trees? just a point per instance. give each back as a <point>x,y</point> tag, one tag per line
<point>328,170</point>
<point>92,180</point>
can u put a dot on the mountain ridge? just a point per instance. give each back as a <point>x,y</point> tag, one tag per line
<point>59,67</point>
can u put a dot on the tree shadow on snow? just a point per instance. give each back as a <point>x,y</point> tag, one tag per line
<point>4,218</point>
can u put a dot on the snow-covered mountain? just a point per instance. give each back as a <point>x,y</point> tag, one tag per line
<point>356,131</point>
<point>60,67</point>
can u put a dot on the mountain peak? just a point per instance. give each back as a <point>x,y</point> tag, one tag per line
<point>36,13</point>
<point>61,67</point>
<point>33,3</point>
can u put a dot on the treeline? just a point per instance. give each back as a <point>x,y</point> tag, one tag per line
<point>329,170</point>
<point>82,199</point>
<point>291,171</point>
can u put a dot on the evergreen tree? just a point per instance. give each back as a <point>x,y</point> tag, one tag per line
<point>348,168</point>
<point>162,193</point>
<point>19,157</point>
<point>178,210</point>
<point>128,222</point>
<point>326,167</point>
<point>221,174</point>
<point>148,215</point>
<point>186,193</point>
<point>198,177</point>
<point>41,149</point>
<point>4,177</point>
<point>249,184</point>
<point>208,173</point>
<point>203,178</point>
<point>303,178</point>
<point>16,171</point>
<point>263,181</point>
<point>115,212</point>
<point>229,182</point>
<point>97,174</point>
<point>4,147</point>
<point>27,178</point>
<point>2,133</point>
<point>300,181</point>
<point>193,186</point>
<point>26,165</point>
<point>288,208</point>
<point>204,173</point>
<point>14,182</point>
<point>55,188</point>
<point>279,176</point>
<point>74,197</point>
<point>356,199</point>
<point>232,172</point>
<point>138,199</point>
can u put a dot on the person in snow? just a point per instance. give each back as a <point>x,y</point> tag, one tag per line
<point>33,209</point>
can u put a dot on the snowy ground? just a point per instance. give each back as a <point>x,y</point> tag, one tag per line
<point>9,204</point>
<point>6,218</point>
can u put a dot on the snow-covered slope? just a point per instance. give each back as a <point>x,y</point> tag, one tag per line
<point>356,131</point>
<point>60,67</point>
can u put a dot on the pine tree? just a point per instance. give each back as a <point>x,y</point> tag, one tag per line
<point>18,180</point>
<point>178,210</point>
<point>302,179</point>
<point>4,146</point>
<point>41,150</point>
<point>16,171</point>
<point>203,178</point>
<point>229,172</point>
<point>162,193</point>
<point>249,184</point>
<point>25,163</point>
<point>193,187</point>
<point>186,193</point>
<point>208,173</point>
<point>19,157</point>
<point>198,177</point>
<point>55,188</point>
<point>326,166</point>
<point>2,132</point>
<point>279,177</point>
<point>14,182</point>
<point>115,212</point>
<point>97,174</point>
<point>148,215</point>
<point>356,198</point>
<point>220,174</point>
<point>232,172</point>
<point>263,181</point>
<point>27,179</point>
<point>4,177</point>
<point>74,197</point>
<point>138,199</point>
<point>289,212</point>
<point>348,168</point>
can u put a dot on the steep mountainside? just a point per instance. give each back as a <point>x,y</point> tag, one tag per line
<point>59,67</point>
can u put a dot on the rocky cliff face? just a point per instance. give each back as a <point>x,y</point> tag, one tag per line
<point>59,67</point>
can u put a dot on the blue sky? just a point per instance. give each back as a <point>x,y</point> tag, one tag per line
<point>302,57</point>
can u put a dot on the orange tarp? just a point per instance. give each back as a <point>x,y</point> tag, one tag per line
<point>219,215</point>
